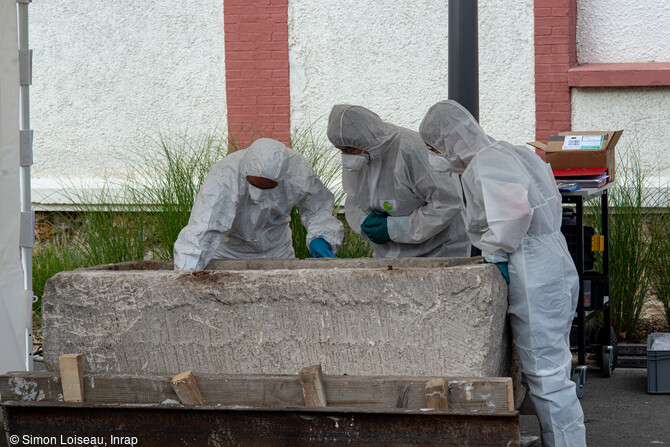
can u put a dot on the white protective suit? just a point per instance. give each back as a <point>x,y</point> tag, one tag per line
<point>514,215</point>
<point>424,205</point>
<point>233,219</point>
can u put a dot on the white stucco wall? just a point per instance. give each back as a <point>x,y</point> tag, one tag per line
<point>108,74</point>
<point>643,113</point>
<point>391,57</point>
<point>621,31</point>
<point>618,31</point>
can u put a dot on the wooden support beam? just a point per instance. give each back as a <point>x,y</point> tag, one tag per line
<point>187,390</point>
<point>511,405</point>
<point>437,394</point>
<point>185,426</point>
<point>313,387</point>
<point>72,377</point>
<point>384,392</point>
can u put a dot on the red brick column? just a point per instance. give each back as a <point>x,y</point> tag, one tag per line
<point>257,70</point>
<point>555,54</point>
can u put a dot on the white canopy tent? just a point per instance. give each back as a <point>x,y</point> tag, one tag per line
<point>15,161</point>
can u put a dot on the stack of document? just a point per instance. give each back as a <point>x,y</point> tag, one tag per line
<point>582,177</point>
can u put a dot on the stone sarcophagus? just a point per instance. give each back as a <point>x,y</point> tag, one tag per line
<point>411,316</point>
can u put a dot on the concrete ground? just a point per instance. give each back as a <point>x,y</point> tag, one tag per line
<point>618,411</point>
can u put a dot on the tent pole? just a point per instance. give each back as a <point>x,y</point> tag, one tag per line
<point>24,175</point>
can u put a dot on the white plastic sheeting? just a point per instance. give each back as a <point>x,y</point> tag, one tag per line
<point>13,312</point>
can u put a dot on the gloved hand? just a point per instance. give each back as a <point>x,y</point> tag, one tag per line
<point>375,226</point>
<point>319,248</point>
<point>502,266</point>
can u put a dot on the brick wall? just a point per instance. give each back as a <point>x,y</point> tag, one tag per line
<point>257,70</point>
<point>555,54</point>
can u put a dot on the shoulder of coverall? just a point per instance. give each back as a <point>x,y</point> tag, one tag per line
<point>538,170</point>
<point>223,179</point>
<point>230,164</point>
<point>411,148</point>
<point>296,162</point>
<point>299,173</point>
<point>497,157</point>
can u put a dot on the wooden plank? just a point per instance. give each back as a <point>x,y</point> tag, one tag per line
<point>480,394</point>
<point>313,386</point>
<point>72,377</point>
<point>186,387</point>
<point>256,390</point>
<point>437,394</point>
<point>376,391</point>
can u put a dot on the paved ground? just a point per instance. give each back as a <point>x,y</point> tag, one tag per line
<point>618,411</point>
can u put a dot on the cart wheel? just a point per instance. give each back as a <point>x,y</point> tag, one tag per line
<point>580,381</point>
<point>608,359</point>
<point>614,354</point>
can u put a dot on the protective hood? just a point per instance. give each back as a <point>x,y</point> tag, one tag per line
<point>449,128</point>
<point>360,128</point>
<point>265,158</point>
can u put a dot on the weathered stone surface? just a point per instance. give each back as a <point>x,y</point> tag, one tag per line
<point>414,316</point>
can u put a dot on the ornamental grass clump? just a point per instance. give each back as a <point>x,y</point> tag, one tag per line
<point>166,182</point>
<point>631,254</point>
<point>660,270</point>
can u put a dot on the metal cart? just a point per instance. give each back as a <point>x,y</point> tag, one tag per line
<point>593,292</point>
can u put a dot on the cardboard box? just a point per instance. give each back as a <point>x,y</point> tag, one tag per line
<point>593,149</point>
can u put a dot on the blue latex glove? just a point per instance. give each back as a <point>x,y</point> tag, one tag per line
<point>319,248</point>
<point>502,266</point>
<point>375,226</point>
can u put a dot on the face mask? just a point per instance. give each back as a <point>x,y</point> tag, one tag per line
<point>257,195</point>
<point>438,162</point>
<point>352,162</point>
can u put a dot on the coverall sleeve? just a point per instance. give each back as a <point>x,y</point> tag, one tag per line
<point>443,204</point>
<point>213,214</point>
<point>498,212</point>
<point>355,214</point>
<point>316,211</point>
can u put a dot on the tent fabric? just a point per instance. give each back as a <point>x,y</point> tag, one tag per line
<point>12,295</point>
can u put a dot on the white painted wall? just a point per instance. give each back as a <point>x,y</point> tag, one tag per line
<point>618,31</point>
<point>107,74</point>
<point>391,57</point>
<point>621,31</point>
<point>643,113</point>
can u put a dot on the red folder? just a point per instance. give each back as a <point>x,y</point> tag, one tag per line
<point>577,172</point>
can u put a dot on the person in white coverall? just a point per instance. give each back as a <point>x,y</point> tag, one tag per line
<point>243,209</point>
<point>514,216</point>
<point>395,198</point>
